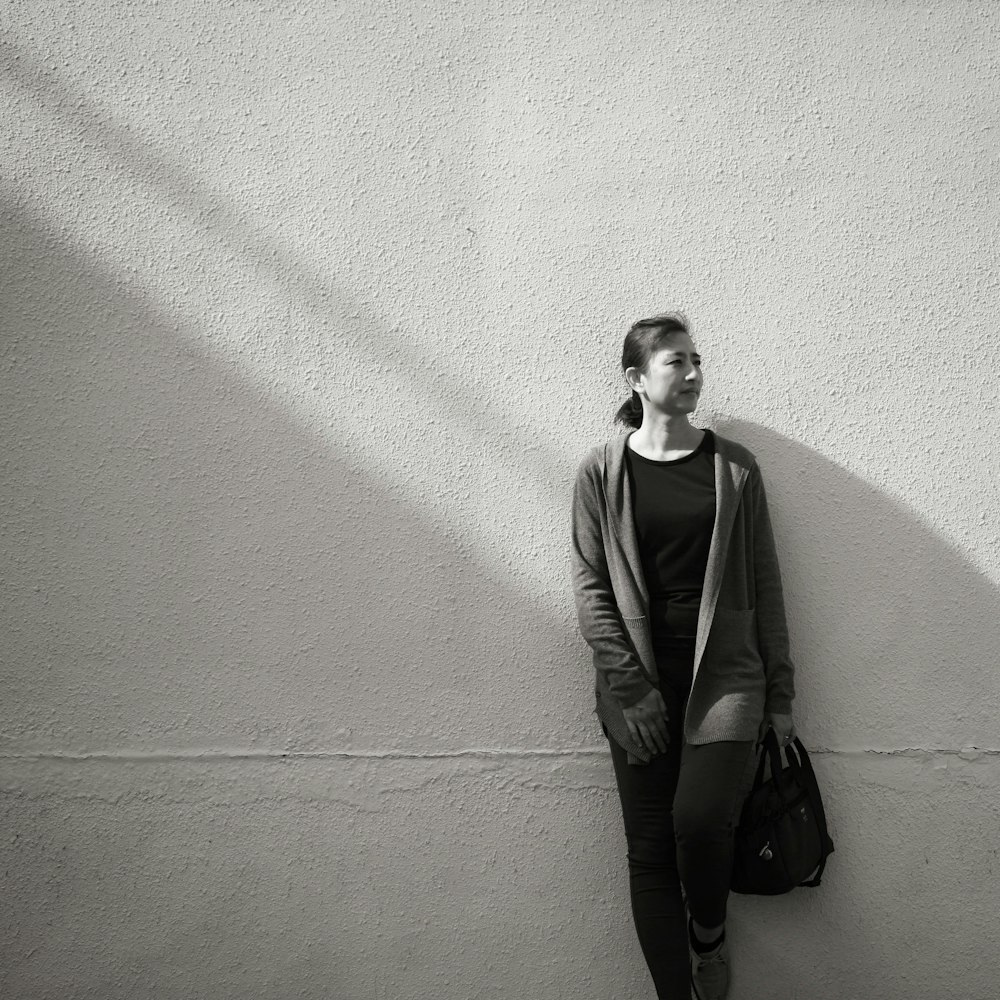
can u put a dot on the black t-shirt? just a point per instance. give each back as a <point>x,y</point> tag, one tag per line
<point>673,505</point>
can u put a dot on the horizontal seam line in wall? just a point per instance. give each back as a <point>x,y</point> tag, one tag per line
<point>222,756</point>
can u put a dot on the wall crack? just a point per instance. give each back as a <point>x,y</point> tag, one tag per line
<point>495,754</point>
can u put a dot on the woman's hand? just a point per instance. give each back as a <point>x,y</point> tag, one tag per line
<point>647,722</point>
<point>782,725</point>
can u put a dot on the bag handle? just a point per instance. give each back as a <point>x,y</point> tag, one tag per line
<point>802,765</point>
<point>772,753</point>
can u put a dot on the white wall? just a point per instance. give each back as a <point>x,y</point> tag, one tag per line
<point>309,312</point>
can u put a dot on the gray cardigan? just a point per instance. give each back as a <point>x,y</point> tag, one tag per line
<point>742,667</point>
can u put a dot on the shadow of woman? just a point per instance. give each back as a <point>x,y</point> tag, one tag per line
<point>894,634</point>
<point>894,630</point>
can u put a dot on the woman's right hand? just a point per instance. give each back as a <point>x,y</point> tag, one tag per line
<point>647,722</point>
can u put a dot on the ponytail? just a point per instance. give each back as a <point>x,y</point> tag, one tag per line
<point>630,412</point>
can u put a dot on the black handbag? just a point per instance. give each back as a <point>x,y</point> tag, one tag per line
<point>781,841</point>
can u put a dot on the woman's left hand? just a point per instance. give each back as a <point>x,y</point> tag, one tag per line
<point>782,725</point>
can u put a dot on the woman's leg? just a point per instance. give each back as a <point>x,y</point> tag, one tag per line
<point>646,792</point>
<point>712,784</point>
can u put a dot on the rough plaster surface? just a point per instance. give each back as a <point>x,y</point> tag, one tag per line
<point>308,313</point>
<point>479,877</point>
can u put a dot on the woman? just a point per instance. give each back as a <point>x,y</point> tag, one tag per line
<point>678,594</point>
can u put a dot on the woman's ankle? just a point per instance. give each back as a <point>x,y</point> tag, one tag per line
<point>706,938</point>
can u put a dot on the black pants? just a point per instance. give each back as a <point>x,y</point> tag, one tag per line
<point>680,811</point>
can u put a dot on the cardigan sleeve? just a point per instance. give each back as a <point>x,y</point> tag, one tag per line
<point>596,608</point>
<point>772,628</point>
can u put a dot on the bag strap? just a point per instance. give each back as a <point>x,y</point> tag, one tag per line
<point>758,778</point>
<point>772,753</point>
<point>803,766</point>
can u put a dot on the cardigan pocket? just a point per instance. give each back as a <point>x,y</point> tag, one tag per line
<point>732,650</point>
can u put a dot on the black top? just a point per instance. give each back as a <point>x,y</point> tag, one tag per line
<point>673,505</point>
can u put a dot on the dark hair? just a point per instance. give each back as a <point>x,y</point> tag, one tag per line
<point>643,340</point>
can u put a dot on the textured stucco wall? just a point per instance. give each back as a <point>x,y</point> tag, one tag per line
<point>308,313</point>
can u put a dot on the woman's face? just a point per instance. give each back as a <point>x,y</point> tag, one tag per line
<point>673,380</point>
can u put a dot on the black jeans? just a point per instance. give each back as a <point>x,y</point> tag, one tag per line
<point>680,811</point>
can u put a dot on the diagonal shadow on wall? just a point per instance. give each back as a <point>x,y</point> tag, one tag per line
<point>178,550</point>
<point>191,570</point>
<point>194,570</point>
<point>360,339</point>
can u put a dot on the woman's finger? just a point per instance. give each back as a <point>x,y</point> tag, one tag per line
<point>633,731</point>
<point>660,732</point>
<point>647,737</point>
